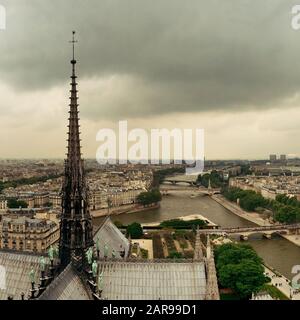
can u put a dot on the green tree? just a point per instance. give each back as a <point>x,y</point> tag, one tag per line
<point>244,278</point>
<point>149,197</point>
<point>291,201</point>
<point>285,209</point>
<point>249,200</point>
<point>240,269</point>
<point>214,177</point>
<point>135,230</point>
<point>15,204</point>
<point>234,253</point>
<point>175,255</point>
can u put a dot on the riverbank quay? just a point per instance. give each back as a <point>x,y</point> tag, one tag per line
<point>234,208</point>
<point>131,208</point>
<point>253,217</point>
<point>282,283</point>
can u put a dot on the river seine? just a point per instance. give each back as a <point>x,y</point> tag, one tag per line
<point>277,252</point>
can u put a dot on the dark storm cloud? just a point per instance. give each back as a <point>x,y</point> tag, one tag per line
<point>173,55</point>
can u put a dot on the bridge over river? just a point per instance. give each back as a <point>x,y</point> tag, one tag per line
<point>191,181</point>
<point>267,231</point>
<point>177,181</point>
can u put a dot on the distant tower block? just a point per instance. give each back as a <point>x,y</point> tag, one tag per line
<point>273,157</point>
<point>282,157</point>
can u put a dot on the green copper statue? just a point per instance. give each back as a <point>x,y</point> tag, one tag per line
<point>106,250</point>
<point>32,276</point>
<point>56,252</point>
<point>42,263</point>
<point>51,253</point>
<point>100,281</point>
<point>113,254</point>
<point>95,268</point>
<point>89,255</point>
<point>98,244</point>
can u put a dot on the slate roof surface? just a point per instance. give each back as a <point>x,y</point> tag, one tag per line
<point>15,268</point>
<point>153,281</point>
<point>67,286</point>
<point>108,234</point>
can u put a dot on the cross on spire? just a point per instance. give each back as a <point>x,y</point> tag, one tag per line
<point>73,43</point>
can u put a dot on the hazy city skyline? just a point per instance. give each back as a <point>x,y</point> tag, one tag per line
<point>230,68</point>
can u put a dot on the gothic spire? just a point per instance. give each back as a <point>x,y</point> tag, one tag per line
<point>74,154</point>
<point>76,224</point>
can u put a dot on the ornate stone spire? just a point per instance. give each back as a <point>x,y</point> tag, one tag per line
<point>76,224</point>
<point>74,154</point>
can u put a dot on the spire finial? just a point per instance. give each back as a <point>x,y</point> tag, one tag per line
<point>73,43</point>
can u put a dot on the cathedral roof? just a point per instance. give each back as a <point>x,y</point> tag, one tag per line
<point>67,286</point>
<point>109,234</point>
<point>124,280</point>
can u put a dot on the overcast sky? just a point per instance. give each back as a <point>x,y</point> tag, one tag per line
<point>231,67</point>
